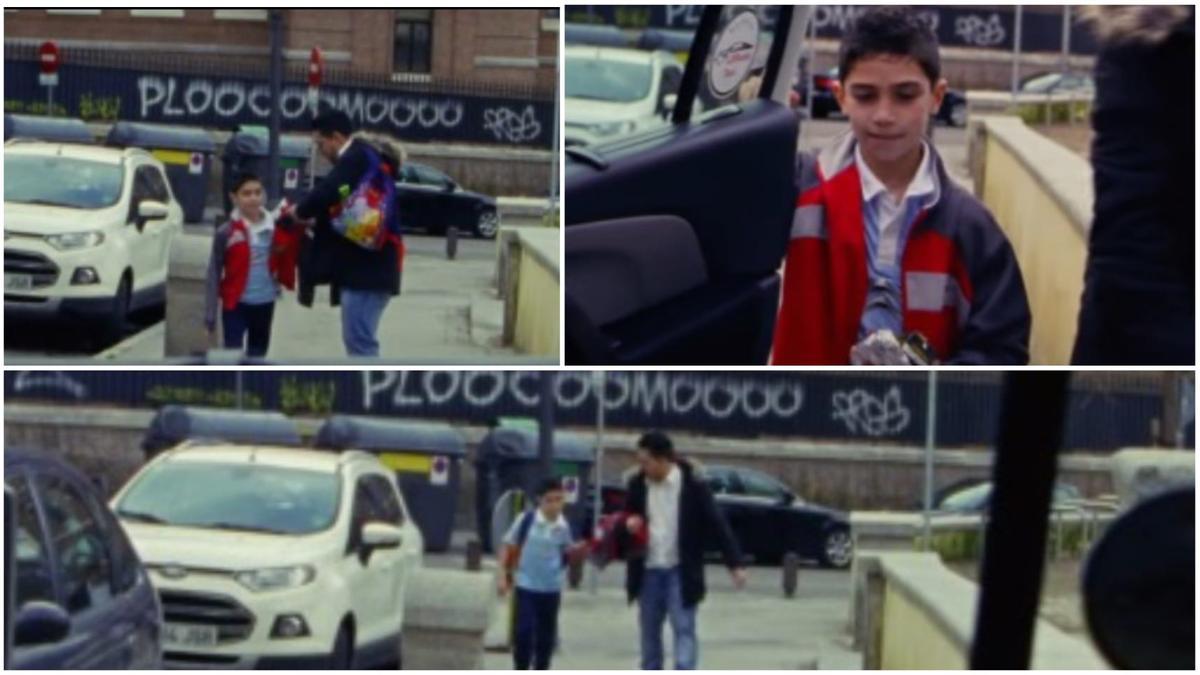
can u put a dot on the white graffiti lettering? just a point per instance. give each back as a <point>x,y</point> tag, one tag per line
<point>840,17</point>
<point>481,400</point>
<point>452,379</point>
<point>863,413</point>
<point>57,382</point>
<point>526,394</point>
<point>230,98</point>
<point>980,32</point>
<point>511,126</point>
<point>686,16</point>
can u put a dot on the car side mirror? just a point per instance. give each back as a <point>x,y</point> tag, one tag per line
<point>381,535</point>
<point>668,104</point>
<point>40,623</point>
<point>450,186</point>
<point>149,210</point>
<point>787,498</point>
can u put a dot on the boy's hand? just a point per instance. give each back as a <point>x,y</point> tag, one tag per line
<point>634,523</point>
<point>880,348</point>
<point>502,585</point>
<point>739,577</point>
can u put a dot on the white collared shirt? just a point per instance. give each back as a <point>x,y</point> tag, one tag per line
<point>662,515</point>
<point>345,146</point>
<point>887,224</point>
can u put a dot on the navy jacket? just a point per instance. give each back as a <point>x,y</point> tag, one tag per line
<point>346,264</point>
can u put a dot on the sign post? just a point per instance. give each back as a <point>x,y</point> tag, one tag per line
<point>316,67</point>
<point>48,62</point>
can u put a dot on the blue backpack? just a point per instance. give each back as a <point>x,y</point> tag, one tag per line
<point>367,214</point>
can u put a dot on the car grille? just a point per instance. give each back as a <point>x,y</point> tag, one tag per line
<point>44,272</point>
<point>233,621</point>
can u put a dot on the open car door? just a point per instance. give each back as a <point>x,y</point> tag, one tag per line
<point>675,232</point>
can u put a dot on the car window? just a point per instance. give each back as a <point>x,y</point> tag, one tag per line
<point>61,181</point>
<point>383,494</point>
<point>366,509</point>
<point>428,175</point>
<point>157,185</point>
<point>84,567</point>
<point>718,481</point>
<point>760,485</point>
<point>34,577</point>
<point>408,174</point>
<point>125,562</point>
<point>672,75</point>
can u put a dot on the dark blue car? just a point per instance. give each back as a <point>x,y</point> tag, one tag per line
<point>77,596</point>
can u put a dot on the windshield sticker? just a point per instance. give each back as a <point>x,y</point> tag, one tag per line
<point>733,55</point>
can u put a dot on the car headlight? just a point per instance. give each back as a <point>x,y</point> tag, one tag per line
<point>276,578</point>
<point>74,240</point>
<point>612,128</point>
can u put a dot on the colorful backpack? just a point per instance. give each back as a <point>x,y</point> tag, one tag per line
<point>367,215</point>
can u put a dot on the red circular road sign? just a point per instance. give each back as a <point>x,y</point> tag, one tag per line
<point>315,66</point>
<point>48,57</point>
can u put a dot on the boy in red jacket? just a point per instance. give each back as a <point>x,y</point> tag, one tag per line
<point>891,262</point>
<point>250,259</point>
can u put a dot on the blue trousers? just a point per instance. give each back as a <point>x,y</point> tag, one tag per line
<point>661,598</point>
<point>537,629</point>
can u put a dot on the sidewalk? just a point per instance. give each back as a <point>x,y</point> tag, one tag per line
<point>753,629</point>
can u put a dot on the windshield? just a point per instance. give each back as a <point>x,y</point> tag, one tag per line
<point>971,499</point>
<point>248,497</point>
<point>598,79</point>
<point>1043,83</point>
<point>61,181</point>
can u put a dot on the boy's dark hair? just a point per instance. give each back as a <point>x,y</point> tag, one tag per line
<point>890,30</point>
<point>243,178</point>
<point>334,121</point>
<point>657,444</point>
<point>547,485</point>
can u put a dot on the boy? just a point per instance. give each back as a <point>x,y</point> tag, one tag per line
<point>890,261</point>
<point>537,547</point>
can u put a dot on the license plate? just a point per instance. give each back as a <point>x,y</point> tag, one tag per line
<point>189,635</point>
<point>18,282</point>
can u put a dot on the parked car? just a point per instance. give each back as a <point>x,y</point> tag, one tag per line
<point>1058,83</point>
<point>87,231</point>
<point>271,557</point>
<point>766,516</point>
<point>81,598</point>
<point>612,91</point>
<point>431,201</point>
<point>977,498</point>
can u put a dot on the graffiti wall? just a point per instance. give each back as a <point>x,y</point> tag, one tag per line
<point>108,94</point>
<point>809,405</point>
<point>956,26</point>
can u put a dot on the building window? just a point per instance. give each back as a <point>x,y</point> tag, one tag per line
<point>157,13</point>
<point>240,14</point>
<point>413,43</point>
<point>550,20</point>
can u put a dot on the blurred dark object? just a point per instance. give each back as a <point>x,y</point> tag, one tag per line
<point>1140,607</point>
<point>1139,297</point>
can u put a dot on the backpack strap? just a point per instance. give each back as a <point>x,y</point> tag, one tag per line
<point>524,527</point>
<point>513,556</point>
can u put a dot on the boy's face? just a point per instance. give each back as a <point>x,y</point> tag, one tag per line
<point>249,199</point>
<point>551,504</point>
<point>889,101</point>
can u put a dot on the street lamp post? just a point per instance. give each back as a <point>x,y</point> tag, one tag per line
<point>274,190</point>
<point>930,428</point>
<point>599,379</point>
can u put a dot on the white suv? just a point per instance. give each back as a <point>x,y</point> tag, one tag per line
<point>87,231</point>
<point>269,557</point>
<point>615,91</point>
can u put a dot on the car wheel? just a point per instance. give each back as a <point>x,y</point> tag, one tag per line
<point>837,550</point>
<point>114,324</point>
<point>487,225</point>
<point>342,657</point>
<point>958,115</point>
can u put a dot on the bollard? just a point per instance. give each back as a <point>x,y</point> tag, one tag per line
<point>446,614</point>
<point>791,568</point>
<point>575,573</point>
<point>474,555</point>
<point>451,242</point>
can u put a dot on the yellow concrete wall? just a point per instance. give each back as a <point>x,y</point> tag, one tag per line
<point>912,641</point>
<point>1050,248</point>
<point>537,324</point>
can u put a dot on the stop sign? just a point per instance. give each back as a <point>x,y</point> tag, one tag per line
<point>315,65</point>
<point>48,57</point>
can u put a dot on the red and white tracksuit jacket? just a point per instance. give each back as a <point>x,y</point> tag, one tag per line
<point>960,284</point>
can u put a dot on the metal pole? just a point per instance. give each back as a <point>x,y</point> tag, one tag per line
<point>600,379</point>
<point>274,190</point>
<point>1066,40</point>
<point>240,387</point>
<point>1016,62</point>
<point>930,428</point>
<point>546,425</point>
<point>554,146</point>
<point>49,101</point>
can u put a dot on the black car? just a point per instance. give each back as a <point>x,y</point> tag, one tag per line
<point>432,202</point>
<point>767,518</point>
<point>78,595</point>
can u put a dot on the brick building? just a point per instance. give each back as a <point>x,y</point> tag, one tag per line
<point>511,47</point>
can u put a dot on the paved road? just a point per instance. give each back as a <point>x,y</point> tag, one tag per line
<point>470,271</point>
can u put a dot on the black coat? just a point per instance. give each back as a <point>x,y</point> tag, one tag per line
<point>335,258</point>
<point>1139,301</point>
<point>699,520</point>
